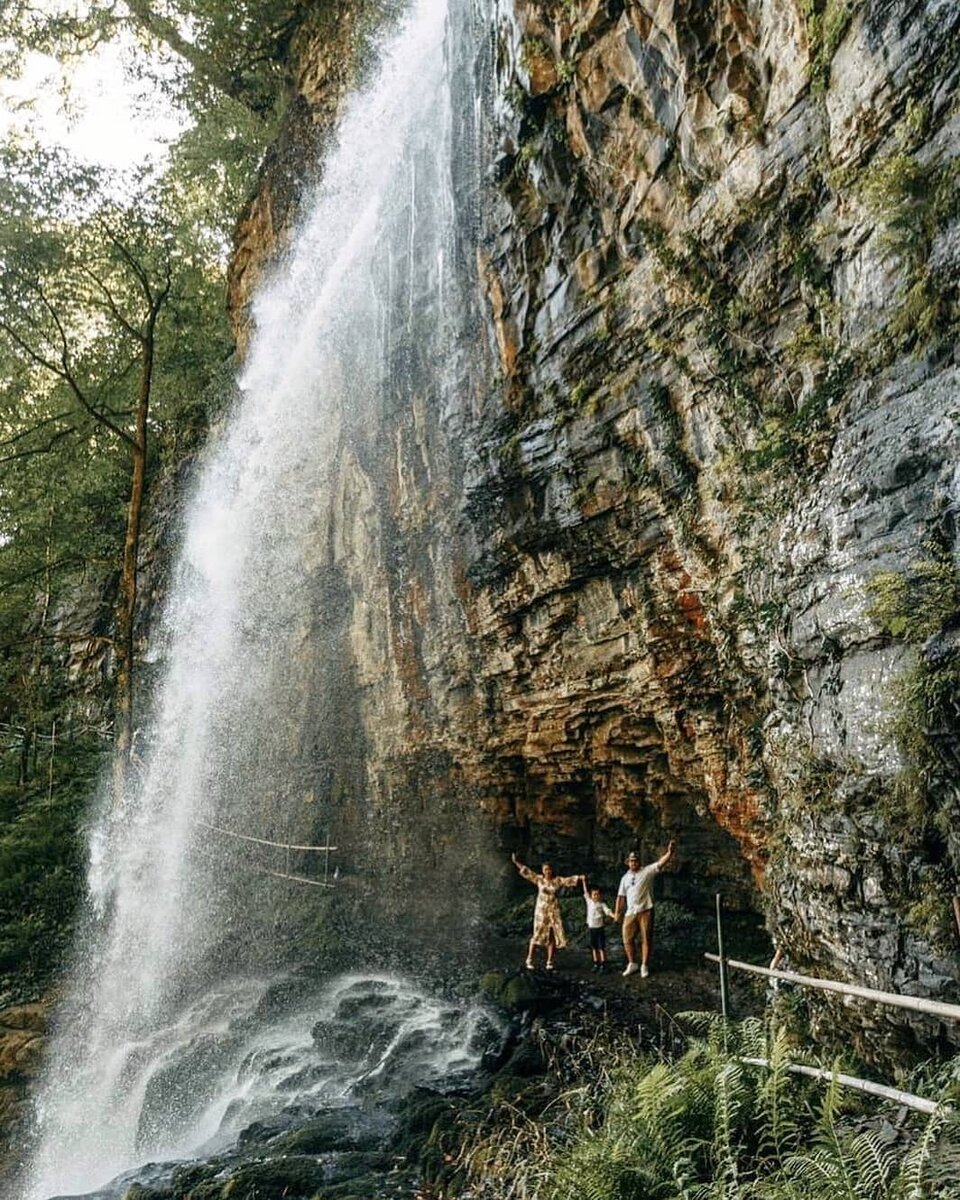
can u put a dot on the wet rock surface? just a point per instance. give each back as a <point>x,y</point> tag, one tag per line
<point>622,590</point>
<point>22,1036</point>
<point>403,1146</point>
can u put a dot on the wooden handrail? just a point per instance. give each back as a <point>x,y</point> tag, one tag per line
<point>937,1008</point>
<point>908,1099</point>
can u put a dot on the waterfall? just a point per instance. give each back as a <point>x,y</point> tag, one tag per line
<point>175,970</point>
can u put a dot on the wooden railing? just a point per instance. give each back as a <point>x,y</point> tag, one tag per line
<point>935,1008</point>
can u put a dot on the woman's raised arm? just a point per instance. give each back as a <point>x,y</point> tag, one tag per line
<point>527,874</point>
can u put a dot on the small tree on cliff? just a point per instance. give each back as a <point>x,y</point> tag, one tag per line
<point>90,277</point>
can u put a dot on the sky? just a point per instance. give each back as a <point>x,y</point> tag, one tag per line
<point>97,109</point>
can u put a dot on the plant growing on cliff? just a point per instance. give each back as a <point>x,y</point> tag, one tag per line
<point>915,605</point>
<point>827,24</point>
<point>915,201</point>
<point>920,608</point>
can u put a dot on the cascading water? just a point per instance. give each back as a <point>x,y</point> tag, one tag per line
<point>157,1047</point>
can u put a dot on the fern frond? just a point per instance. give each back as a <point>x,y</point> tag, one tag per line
<point>875,1166</point>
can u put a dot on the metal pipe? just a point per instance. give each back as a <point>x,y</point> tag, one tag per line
<point>861,1085</point>
<point>937,1008</point>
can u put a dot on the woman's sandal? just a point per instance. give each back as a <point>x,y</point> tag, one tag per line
<point>530,966</point>
<point>550,966</point>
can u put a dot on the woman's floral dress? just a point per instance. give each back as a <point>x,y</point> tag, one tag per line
<point>546,916</point>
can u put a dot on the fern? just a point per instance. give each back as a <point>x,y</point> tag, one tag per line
<point>778,1112</point>
<point>703,1127</point>
<point>932,1166</point>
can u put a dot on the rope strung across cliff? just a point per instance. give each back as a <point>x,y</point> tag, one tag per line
<point>245,837</point>
<point>293,878</point>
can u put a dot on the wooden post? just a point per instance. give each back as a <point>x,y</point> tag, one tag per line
<point>723,963</point>
<point>956,911</point>
<point>326,856</point>
<point>53,747</point>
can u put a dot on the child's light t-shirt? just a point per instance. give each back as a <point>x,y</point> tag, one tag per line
<point>596,909</point>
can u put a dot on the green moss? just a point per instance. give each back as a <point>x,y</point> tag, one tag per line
<point>914,605</point>
<point>827,24</point>
<point>924,706</point>
<point>914,201</point>
<point>275,1180</point>
<point>790,440</point>
<point>932,914</point>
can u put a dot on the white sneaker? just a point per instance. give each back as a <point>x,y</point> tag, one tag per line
<point>632,968</point>
<point>644,971</point>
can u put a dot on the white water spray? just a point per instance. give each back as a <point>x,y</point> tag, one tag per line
<point>169,935</point>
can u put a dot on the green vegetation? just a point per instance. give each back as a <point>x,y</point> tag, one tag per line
<point>915,201</point>
<point>114,356</point>
<point>704,1126</point>
<point>827,23</point>
<point>916,605</point>
<point>41,856</point>
<point>235,50</point>
<point>924,721</point>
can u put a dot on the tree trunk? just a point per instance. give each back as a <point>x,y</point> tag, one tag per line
<point>127,604</point>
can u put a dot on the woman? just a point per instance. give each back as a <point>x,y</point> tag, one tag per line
<point>547,922</point>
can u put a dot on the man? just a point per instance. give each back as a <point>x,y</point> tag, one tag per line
<point>635,894</point>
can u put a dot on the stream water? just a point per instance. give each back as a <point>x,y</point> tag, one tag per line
<point>167,1040</point>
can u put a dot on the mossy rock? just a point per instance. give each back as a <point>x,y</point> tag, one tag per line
<point>338,1129</point>
<point>369,1187</point>
<point>515,993</point>
<point>198,1182</point>
<point>212,1189</point>
<point>526,1061</point>
<point>139,1191</point>
<point>356,1164</point>
<point>421,1114</point>
<point>278,1179</point>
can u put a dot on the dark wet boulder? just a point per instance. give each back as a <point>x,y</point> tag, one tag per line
<point>140,1191</point>
<point>517,991</point>
<point>276,1179</point>
<point>338,1129</point>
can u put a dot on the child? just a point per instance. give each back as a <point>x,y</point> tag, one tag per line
<point>596,911</point>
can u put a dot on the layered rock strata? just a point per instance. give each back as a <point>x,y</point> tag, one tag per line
<point>684,565</point>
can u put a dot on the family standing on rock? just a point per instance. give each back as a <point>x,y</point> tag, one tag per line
<point>634,906</point>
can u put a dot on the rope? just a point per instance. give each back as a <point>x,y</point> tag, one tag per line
<point>294,878</point>
<point>245,837</point>
<point>213,857</point>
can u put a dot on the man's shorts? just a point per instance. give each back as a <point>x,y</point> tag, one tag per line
<point>631,925</point>
<point>598,938</point>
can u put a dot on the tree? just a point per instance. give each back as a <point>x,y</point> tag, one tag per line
<point>90,279</point>
<point>235,49</point>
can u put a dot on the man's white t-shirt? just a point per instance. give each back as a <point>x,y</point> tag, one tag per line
<point>637,888</point>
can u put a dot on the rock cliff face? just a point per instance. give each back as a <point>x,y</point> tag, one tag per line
<point>685,565</point>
